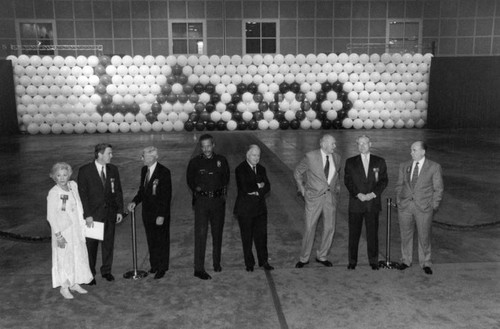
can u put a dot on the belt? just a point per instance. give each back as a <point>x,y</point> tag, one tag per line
<point>212,194</point>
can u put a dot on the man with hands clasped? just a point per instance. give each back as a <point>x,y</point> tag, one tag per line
<point>155,193</point>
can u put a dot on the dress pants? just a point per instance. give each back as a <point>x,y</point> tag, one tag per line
<point>208,210</point>
<point>158,237</point>
<point>355,227</point>
<point>313,209</point>
<point>408,219</point>
<point>254,230</point>
<point>107,245</point>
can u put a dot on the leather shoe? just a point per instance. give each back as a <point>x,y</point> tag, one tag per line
<point>403,266</point>
<point>159,274</point>
<point>351,266</point>
<point>109,277</point>
<point>92,283</point>
<point>153,270</point>
<point>218,268</point>
<point>300,264</point>
<point>374,267</point>
<point>249,268</point>
<point>202,275</point>
<point>427,270</point>
<point>267,267</point>
<point>327,263</point>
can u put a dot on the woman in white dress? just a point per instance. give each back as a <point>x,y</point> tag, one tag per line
<point>70,263</point>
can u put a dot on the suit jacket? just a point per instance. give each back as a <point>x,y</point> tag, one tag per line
<point>428,190</point>
<point>96,198</point>
<point>157,194</point>
<point>310,174</point>
<point>246,182</point>
<point>356,182</point>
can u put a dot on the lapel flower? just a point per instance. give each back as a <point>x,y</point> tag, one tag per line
<point>375,171</point>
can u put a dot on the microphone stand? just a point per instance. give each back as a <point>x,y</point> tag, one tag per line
<point>387,263</point>
<point>135,273</point>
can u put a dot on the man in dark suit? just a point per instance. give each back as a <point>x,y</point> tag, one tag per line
<point>365,179</point>
<point>155,193</point>
<point>251,209</point>
<point>317,178</point>
<point>101,194</point>
<point>419,191</point>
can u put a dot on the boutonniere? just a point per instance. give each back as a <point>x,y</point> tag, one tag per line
<point>64,198</point>
<point>112,180</point>
<point>155,184</point>
<point>219,164</point>
<point>376,171</point>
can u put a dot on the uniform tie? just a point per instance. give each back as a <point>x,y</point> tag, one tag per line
<point>254,168</point>
<point>146,179</point>
<point>327,167</point>
<point>103,176</point>
<point>415,175</point>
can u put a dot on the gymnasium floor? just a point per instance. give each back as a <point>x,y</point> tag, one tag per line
<point>463,292</point>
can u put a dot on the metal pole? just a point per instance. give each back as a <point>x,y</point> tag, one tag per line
<point>135,273</point>
<point>387,263</point>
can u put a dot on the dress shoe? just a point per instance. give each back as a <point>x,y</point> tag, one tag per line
<point>65,292</point>
<point>202,275</point>
<point>249,268</point>
<point>351,266</point>
<point>374,267</point>
<point>427,270</point>
<point>327,263</point>
<point>159,274</point>
<point>153,270</point>
<point>218,268</point>
<point>267,267</point>
<point>92,283</point>
<point>109,277</point>
<point>76,287</point>
<point>402,267</point>
<point>300,264</point>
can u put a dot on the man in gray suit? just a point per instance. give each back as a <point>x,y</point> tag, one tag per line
<point>317,178</point>
<point>419,191</point>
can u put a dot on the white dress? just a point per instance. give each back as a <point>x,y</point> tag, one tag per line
<point>70,265</point>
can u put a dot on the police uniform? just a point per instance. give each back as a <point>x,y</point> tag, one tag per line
<point>208,179</point>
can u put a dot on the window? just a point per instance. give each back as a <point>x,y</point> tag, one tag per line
<point>36,37</point>
<point>187,38</point>
<point>261,37</point>
<point>404,36</point>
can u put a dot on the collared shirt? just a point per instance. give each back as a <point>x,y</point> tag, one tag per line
<point>151,171</point>
<point>254,168</point>
<point>100,168</point>
<point>420,165</point>
<point>365,158</point>
<point>332,164</point>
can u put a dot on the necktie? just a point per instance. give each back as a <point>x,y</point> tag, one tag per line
<point>364,157</point>
<point>103,176</point>
<point>146,179</point>
<point>327,167</point>
<point>415,175</point>
<point>254,168</point>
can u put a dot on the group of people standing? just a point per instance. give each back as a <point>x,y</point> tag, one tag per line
<point>97,197</point>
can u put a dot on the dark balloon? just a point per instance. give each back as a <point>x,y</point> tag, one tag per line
<point>99,70</point>
<point>263,106</point>
<point>135,108</point>
<point>177,69</point>
<point>320,96</point>
<point>315,105</point>
<point>123,108</point>
<point>199,107</point>
<point>252,88</point>
<point>183,98</point>
<point>231,107</point>
<point>242,125</point>
<point>194,98</point>
<point>337,86</point>
<point>295,87</point>
<point>300,115</point>
<point>215,98</point>
<point>284,87</point>
<point>166,89</point>
<point>320,115</point>
<point>187,88</point>
<point>112,108</point>
<point>273,106</point>
<point>200,125</point>
<point>241,88</point>
<point>101,109</point>
<point>171,79</point>
<point>105,79</point>
<point>101,89</point>
<point>104,60</point>
<point>236,98</point>
<point>284,124</point>
<point>160,98</point>
<point>204,116</point>
<point>209,88</point>
<point>326,124</point>
<point>295,124</point>
<point>258,97</point>
<point>279,97</point>
<point>279,115</point>
<point>236,116</point>
<point>106,99</point>
<point>347,105</point>
<point>171,98</point>
<point>342,96</point>
<point>198,88</point>
<point>210,125</point>
<point>189,125</point>
<point>257,116</point>
<point>194,116</point>
<point>221,125</point>
<point>155,108</point>
<point>151,117</point>
<point>210,107</point>
<point>300,96</point>
<point>182,79</point>
<point>252,124</point>
<point>337,124</point>
<point>305,105</point>
<point>326,86</point>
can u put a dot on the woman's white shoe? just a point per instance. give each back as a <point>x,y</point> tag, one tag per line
<point>66,294</point>
<point>78,289</point>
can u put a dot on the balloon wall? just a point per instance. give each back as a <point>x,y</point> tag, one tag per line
<point>175,93</point>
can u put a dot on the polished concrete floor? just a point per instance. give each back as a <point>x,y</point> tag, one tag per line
<point>464,291</point>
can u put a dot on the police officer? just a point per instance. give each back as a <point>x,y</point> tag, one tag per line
<point>207,177</point>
